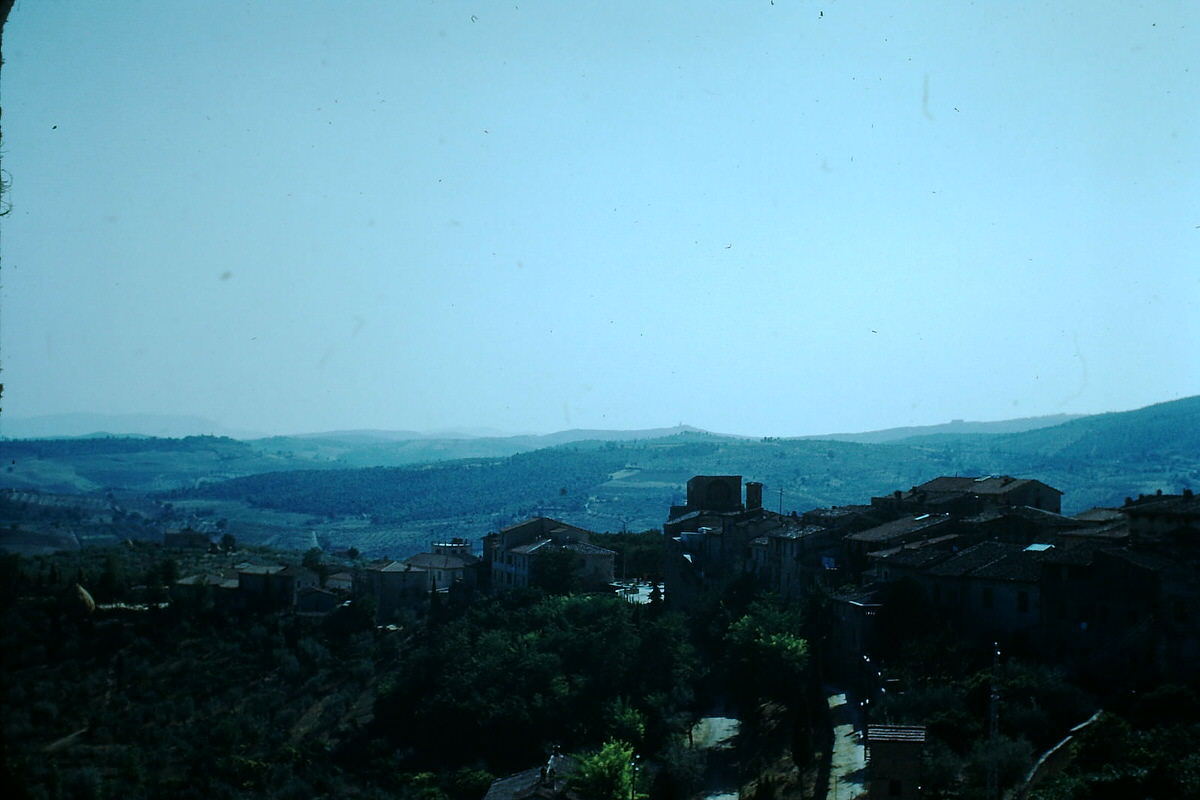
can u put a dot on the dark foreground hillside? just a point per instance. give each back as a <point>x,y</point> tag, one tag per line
<point>183,700</point>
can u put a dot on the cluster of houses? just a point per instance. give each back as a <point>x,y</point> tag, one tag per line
<point>264,587</point>
<point>510,559</point>
<point>1105,593</point>
<point>1108,594</point>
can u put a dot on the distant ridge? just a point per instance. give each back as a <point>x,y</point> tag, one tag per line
<point>956,427</point>
<point>410,489</point>
<point>541,439</point>
<point>595,435</point>
<point>466,443</point>
<point>82,424</point>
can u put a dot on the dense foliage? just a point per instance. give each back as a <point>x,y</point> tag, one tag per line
<point>510,487</point>
<point>146,700</point>
<point>149,701</point>
<point>523,672</point>
<point>1145,746</point>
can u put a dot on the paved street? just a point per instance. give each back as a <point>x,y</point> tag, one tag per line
<point>847,769</point>
<point>716,735</point>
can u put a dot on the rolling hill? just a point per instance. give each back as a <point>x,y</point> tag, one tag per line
<point>359,488</point>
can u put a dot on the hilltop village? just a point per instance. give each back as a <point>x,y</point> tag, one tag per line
<point>1108,593</point>
<point>959,638</point>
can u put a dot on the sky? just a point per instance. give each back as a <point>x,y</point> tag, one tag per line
<point>783,218</point>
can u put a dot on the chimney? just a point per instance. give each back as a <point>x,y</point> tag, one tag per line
<point>753,495</point>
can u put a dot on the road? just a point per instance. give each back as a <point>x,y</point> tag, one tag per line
<point>716,735</point>
<point>848,766</point>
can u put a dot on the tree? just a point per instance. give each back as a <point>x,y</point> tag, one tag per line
<point>314,560</point>
<point>555,570</point>
<point>228,542</point>
<point>624,722</point>
<point>768,657</point>
<point>607,774</point>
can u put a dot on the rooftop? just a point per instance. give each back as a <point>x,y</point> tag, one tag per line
<point>1037,515</point>
<point>260,569</point>
<point>545,527</point>
<point>1185,505</point>
<point>899,528</point>
<point>392,566</point>
<point>1025,565</point>
<point>1100,514</point>
<point>914,557</point>
<point>974,558</point>
<point>988,484</point>
<point>582,548</point>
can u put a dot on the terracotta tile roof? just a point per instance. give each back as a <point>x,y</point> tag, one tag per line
<point>841,512</point>
<point>532,547</point>
<point>915,558</point>
<point>577,547</point>
<point>974,558</point>
<point>391,566</point>
<point>701,514</point>
<point>1024,566</point>
<point>900,527</point>
<point>1115,532</point>
<point>793,532</point>
<point>987,485</point>
<point>1078,553</point>
<point>589,549</point>
<point>1148,561</point>
<point>1037,515</point>
<point>1168,505</point>
<point>546,526</point>
<point>1100,514</point>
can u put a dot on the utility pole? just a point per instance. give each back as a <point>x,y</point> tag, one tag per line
<point>781,501</point>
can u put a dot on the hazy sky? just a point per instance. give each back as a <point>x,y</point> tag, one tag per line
<point>787,218</point>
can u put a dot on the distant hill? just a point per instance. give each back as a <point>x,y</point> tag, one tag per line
<point>956,427</point>
<point>614,485</point>
<point>396,448</point>
<point>385,495</point>
<point>1102,458</point>
<point>130,463</point>
<point>53,426</point>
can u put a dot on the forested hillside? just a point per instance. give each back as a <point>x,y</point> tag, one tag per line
<point>515,485</point>
<point>311,493</point>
